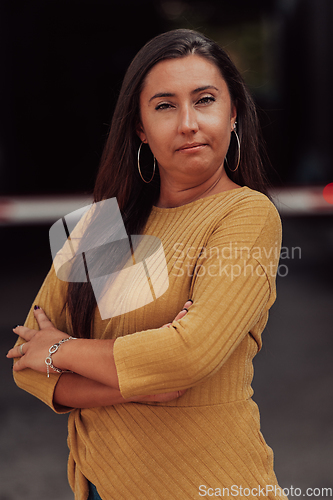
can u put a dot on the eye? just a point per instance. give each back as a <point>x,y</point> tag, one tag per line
<point>163,105</point>
<point>206,99</point>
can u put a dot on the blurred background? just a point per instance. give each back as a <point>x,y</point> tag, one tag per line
<point>62,65</point>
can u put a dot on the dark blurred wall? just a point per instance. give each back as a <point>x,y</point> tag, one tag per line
<point>62,66</point>
<point>62,63</point>
<point>306,90</point>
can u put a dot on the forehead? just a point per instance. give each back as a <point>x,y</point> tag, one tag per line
<point>183,73</point>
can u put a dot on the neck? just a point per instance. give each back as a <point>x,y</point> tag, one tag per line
<point>174,195</point>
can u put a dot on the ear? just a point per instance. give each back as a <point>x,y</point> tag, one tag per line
<point>141,133</point>
<point>233,116</point>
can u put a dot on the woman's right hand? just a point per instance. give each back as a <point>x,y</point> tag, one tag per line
<point>166,396</point>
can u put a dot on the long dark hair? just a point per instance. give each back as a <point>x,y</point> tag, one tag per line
<point>118,174</point>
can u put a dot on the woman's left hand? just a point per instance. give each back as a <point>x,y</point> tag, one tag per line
<point>182,313</point>
<point>35,350</point>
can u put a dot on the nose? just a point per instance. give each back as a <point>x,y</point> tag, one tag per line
<point>188,122</point>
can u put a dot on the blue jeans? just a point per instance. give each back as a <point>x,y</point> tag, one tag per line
<point>93,493</point>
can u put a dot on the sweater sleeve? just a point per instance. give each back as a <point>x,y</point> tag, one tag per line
<point>233,286</point>
<point>51,297</point>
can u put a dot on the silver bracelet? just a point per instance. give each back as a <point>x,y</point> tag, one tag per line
<point>52,350</point>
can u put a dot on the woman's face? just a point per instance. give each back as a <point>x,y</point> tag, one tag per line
<point>186,118</point>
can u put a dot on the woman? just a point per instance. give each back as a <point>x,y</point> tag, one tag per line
<point>203,197</point>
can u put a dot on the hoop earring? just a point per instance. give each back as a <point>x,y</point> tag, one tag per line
<point>147,182</point>
<point>239,151</point>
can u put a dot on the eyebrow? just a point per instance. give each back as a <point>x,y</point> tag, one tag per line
<point>170,94</point>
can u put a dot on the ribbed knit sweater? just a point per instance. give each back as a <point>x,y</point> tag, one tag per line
<point>222,252</point>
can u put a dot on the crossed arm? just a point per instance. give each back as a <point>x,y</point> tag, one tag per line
<point>94,381</point>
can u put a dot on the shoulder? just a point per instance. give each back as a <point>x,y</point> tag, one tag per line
<point>246,216</point>
<point>248,199</point>
<point>245,204</point>
<point>259,209</point>
<point>234,200</point>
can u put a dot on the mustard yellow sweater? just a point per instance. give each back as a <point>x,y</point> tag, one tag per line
<point>222,252</point>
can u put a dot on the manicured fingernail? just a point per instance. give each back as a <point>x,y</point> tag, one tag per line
<point>184,309</point>
<point>15,327</point>
<point>36,307</point>
<point>190,300</point>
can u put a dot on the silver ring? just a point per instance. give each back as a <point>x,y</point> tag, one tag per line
<point>20,349</point>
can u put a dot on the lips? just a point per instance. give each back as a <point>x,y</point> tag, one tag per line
<point>191,146</point>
